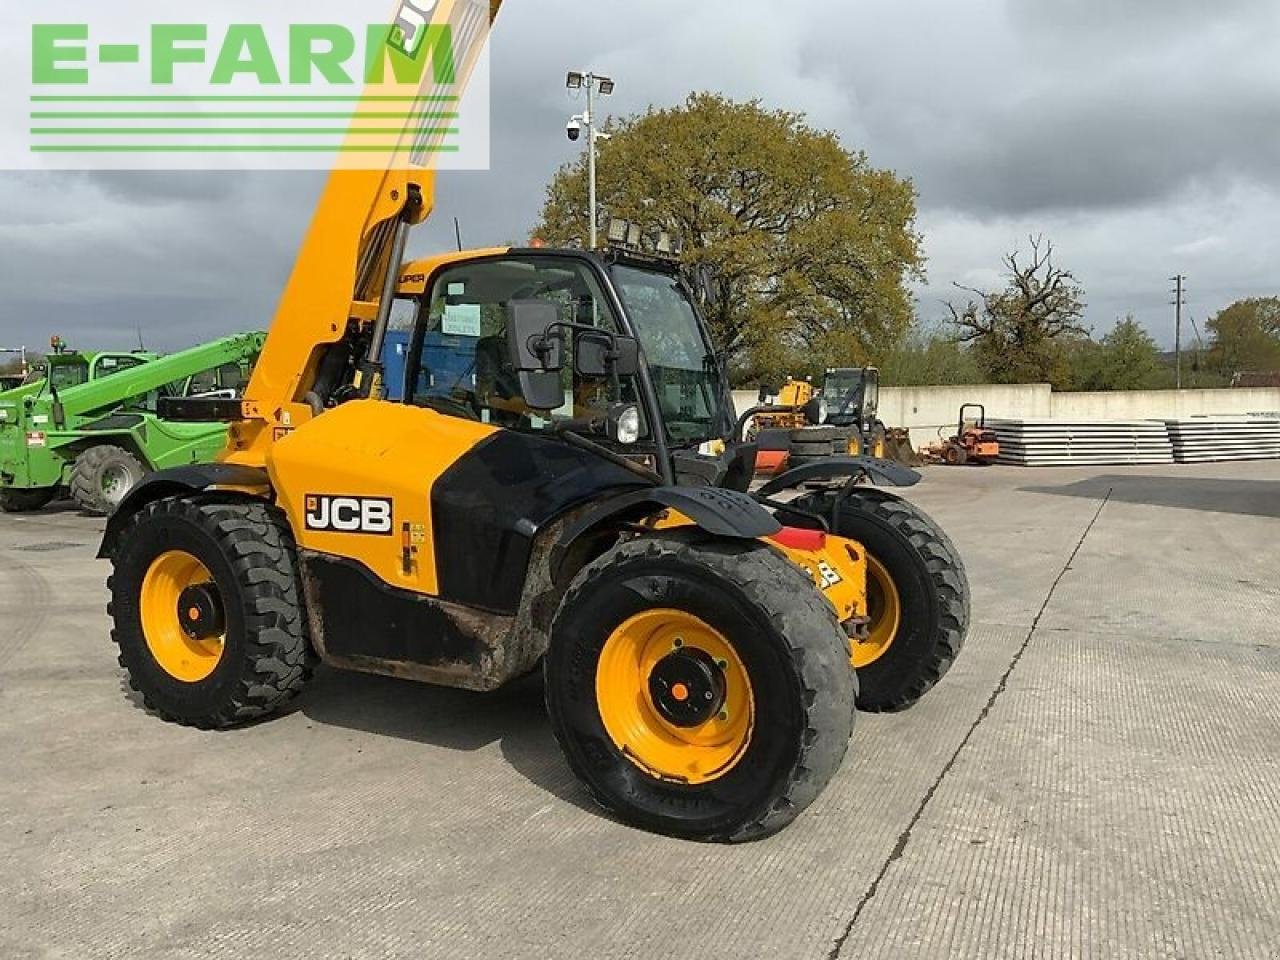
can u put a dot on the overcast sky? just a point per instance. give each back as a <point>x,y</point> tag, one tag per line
<point>1141,136</point>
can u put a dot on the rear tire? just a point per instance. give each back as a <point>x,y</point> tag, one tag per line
<point>931,584</point>
<point>782,636</point>
<point>103,476</point>
<point>26,501</point>
<point>245,552</point>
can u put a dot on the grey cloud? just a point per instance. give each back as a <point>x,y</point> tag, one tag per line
<point>1143,136</point>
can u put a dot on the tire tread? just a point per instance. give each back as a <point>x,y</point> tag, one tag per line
<point>815,644</point>
<point>259,545</point>
<point>84,490</point>
<point>946,572</point>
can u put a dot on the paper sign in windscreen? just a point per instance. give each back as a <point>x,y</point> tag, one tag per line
<point>462,320</point>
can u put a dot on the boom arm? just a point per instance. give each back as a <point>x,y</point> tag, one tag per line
<point>111,392</point>
<point>350,256</point>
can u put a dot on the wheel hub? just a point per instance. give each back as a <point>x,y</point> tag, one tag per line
<point>200,612</point>
<point>182,616</point>
<point>674,696</point>
<point>115,483</point>
<point>687,688</point>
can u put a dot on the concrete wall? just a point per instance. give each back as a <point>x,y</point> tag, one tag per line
<point>1163,404</point>
<point>926,410</point>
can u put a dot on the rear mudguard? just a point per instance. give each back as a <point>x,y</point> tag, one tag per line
<point>885,472</point>
<point>721,513</point>
<point>179,480</point>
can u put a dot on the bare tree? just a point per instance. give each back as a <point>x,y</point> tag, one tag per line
<point>1019,332</point>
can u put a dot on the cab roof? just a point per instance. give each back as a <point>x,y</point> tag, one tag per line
<point>414,275</point>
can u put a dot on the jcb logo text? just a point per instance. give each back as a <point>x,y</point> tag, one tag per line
<point>371,515</point>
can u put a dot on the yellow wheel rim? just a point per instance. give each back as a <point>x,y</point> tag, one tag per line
<point>651,670</point>
<point>170,617</point>
<point>885,608</point>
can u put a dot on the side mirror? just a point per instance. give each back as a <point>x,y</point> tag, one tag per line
<point>534,343</point>
<point>537,352</point>
<point>600,354</point>
<point>815,411</point>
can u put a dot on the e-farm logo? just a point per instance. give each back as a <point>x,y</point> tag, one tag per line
<point>133,86</point>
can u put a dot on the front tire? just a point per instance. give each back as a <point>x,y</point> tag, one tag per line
<point>657,627</point>
<point>919,593</point>
<point>103,476</point>
<point>205,599</point>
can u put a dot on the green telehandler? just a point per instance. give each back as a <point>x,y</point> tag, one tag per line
<point>90,429</point>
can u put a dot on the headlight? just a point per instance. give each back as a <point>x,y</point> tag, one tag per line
<point>624,424</point>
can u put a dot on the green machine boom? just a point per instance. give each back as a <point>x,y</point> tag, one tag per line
<point>98,437</point>
<point>70,368</point>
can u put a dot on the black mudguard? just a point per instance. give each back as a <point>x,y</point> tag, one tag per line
<point>886,472</point>
<point>178,480</point>
<point>721,513</point>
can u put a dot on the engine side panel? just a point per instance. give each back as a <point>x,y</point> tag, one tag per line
<point>491,505</point>
<point>357,481</point>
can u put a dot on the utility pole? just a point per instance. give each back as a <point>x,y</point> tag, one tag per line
<point>578,80</point>
<point>1179,301</point>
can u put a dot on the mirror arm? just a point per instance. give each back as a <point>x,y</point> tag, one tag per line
<point>583,328</point>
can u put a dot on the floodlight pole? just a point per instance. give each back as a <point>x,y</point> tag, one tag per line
<point>605,85</point>
<point>591,162</point>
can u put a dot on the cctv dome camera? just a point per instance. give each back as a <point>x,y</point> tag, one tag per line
<point>574,129</point>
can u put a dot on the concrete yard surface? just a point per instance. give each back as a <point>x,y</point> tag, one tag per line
<point>1099,776</point>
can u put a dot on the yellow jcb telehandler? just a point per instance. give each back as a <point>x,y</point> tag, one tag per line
<point>550,501</point>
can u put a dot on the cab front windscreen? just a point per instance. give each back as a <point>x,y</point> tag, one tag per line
<point>682,364</point>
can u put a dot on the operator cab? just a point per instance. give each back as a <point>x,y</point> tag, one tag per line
<point>610,351</point>
<point>853,398</point>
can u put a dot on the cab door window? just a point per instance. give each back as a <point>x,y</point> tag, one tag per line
<point>463,364</point>
<point>112,364</point>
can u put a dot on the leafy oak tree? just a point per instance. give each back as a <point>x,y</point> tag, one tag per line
<point>1024,332</point>
<point>813,247</point>
<point>1246,337</point>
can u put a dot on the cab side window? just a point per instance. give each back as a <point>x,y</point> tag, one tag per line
<point>116,363</point>
<point>464,369</point>
<point>228,377</point>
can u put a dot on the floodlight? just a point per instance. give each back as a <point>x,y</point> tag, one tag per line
<point>575,80</point>
<point>606,86</point>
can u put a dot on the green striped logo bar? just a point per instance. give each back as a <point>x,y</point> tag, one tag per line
<point>306,87</point>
